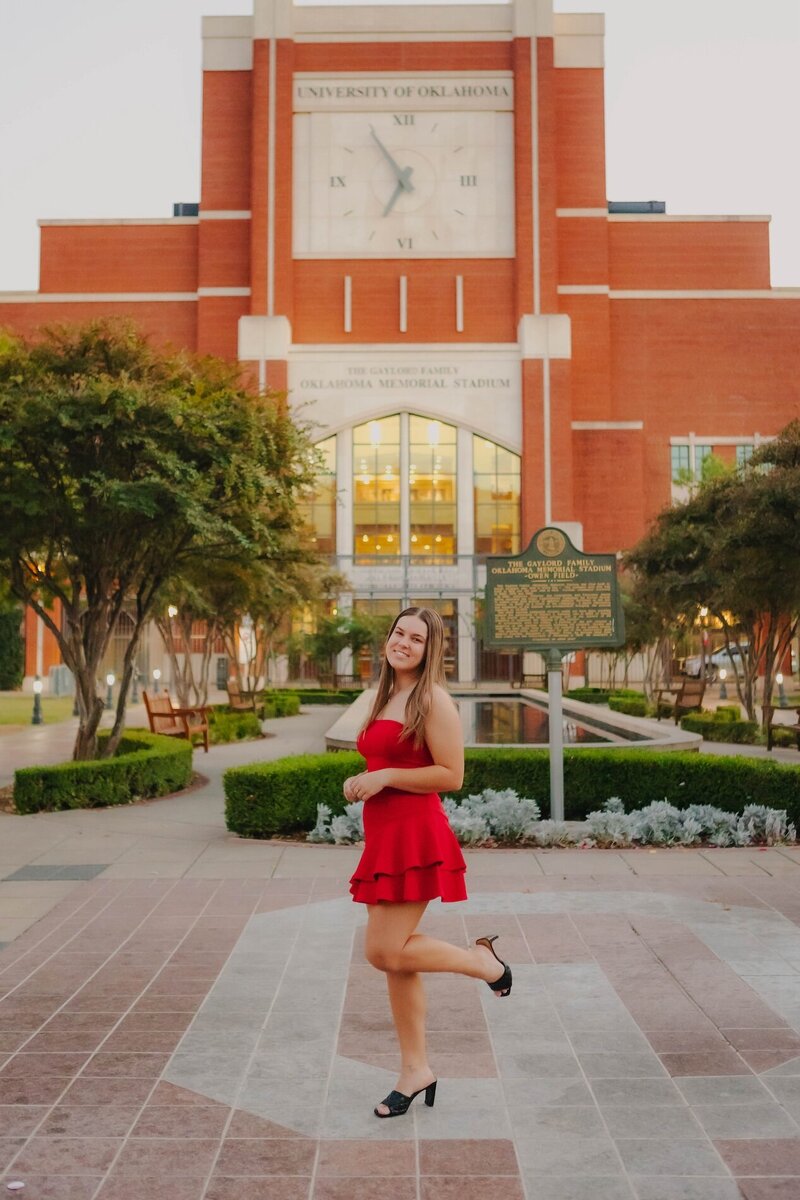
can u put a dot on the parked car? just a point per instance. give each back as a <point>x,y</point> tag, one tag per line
<point>731,660</point>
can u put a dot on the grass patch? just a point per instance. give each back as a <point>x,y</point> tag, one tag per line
<point>18,710</point>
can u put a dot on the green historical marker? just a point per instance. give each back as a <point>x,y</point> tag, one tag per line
<point>553,598</point>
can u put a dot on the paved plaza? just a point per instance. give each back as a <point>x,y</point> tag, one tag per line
<point>190,1015</point>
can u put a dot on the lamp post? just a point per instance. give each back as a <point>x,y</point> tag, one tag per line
<point>135,688</point>
<point>156,677</point>
<point>37,718</point>
<point>110,681</point>
<point>782,701</point>
<point>723,690</point>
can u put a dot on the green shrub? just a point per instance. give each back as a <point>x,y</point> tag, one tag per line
<point>728,712</point>
<point>227,725</point>
<point>782,736</point>
<point>281,704</point>
<point>312,696</point>
<point>282,797</point>
<point>11,649</point>
<point>596,695</point>
<point>632,706</point>
<point>589,695</point>
<point>146,764</point>
<point>728,729</point>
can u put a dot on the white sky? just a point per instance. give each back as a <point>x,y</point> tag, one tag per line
<point>100,112</point>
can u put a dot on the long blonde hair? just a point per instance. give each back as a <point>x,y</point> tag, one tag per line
<point>431,672</point>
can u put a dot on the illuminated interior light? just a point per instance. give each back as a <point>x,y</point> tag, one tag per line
<point>433,433</point>
<point>375,432</point>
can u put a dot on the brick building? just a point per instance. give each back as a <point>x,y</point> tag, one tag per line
<point>403,219</point>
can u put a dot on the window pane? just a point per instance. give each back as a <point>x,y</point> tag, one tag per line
<point>432,487</point>
<point>743,455</point>
<point>496,491</point>
<point>376,488</point>
<point>680,463</point>
<point>319,510</point>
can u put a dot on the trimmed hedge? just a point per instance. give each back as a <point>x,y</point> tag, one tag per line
<point>312,696</point>
<point>225,725</point>
<point>596,695</point>
<point>146,764</point>
<point>726,729</point>
<point>631,706</point>
<point>281,704</point>
<point>282,797</point>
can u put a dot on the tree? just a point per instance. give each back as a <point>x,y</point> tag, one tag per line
<point>11,643</point>
<point>119,466</point>
<point>733,548</point>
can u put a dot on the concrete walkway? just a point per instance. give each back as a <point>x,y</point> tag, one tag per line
<point>189,1014</point>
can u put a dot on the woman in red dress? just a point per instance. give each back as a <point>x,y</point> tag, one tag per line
<point>414,749</point>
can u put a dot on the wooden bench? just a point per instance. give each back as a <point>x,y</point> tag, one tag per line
<point>164,718</point>
<point>686,698</point>
<point>239,701</point>
<point>768,714</point>
<point>537,680</point>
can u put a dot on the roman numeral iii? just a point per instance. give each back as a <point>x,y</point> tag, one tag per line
<point>469,180</point>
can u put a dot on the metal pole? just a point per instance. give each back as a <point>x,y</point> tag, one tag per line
<point>556,723</point>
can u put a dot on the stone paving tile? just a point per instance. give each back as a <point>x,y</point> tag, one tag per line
<point>185,990</point>
<point>57,871</point>
<point>665,1187</point>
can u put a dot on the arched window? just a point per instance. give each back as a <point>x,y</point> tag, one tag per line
<point>496,484</point>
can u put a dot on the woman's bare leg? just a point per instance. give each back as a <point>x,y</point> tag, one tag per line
<point>393,947</point>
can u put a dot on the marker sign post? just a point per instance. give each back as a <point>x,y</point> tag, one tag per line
<point>552,599</point>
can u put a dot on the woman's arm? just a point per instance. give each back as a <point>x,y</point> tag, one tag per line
<point>446,743</point>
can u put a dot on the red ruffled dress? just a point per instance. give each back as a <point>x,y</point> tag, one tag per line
<point>410,851</point>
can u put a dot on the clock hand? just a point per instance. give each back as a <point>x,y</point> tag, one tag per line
<point>403,173</point>
<point>393,200</point>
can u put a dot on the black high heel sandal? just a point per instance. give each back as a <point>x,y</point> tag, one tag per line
<point>398,1104</point>
<point>501,986</point>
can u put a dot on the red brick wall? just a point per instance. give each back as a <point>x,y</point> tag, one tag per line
<point>689,254</point>
<point>580,150</point>
<point>609,485</point>
<point>712,367</point>
<point>227,133</point>
<point>224,254</point>
<point>172,323</point>
<point>399,56</point>
<point>118,258</point>
<point>488,300</point>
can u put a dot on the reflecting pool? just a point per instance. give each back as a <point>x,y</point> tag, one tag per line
<point>515,720</point>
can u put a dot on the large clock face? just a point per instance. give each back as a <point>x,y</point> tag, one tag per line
<point>403,184</point>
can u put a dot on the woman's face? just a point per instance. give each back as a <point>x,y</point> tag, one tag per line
<point>405,648</point>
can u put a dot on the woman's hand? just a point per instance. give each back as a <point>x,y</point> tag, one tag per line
<point>365,785</point>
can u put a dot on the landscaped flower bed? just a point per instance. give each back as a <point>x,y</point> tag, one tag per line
<point>281,797</point>
<point>505,819</point>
